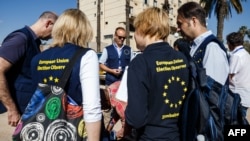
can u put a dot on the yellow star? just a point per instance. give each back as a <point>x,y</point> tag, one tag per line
<point>51,78</point>
<point>183,97</point>
<point>166,86</point>
<point>182,83</point>
<point>164,94</point>
<point>166,101</point>
<point>185,89</point>
<point>44,80</point>
<point>171,105</point>
<point>173,78</point>
<point>178,79</point>
<point>56,80</point>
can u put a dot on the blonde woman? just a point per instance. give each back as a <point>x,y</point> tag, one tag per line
<point>71,32</point>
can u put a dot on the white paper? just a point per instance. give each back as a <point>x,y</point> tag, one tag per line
<point>122,92</point>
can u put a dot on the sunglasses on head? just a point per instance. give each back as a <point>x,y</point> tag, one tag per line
<point>121,37</point>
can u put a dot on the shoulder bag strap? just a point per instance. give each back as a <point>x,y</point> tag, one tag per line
<point>69,66</point>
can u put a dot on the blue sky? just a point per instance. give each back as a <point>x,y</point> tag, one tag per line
<point>15,14</point>
<point>233,23</point>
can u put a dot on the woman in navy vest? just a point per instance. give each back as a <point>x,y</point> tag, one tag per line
<point>158,80</point>
<point>71,32</point>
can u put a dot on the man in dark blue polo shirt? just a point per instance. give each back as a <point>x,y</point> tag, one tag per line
<point>16,52</point>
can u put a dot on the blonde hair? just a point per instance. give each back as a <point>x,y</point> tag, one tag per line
<point>73,27</point>
<point>153,22</point>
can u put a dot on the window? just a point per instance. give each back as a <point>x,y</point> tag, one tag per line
<point>171,10</point>
<point>131,11</point>
<point>179,3</point>
<point>110,36</point>
<point>155,3</point>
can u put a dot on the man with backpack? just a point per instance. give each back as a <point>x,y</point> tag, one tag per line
<point>209,55</point>
<point>210,107</point>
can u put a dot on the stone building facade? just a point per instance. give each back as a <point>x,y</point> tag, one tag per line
<point>106,15</point>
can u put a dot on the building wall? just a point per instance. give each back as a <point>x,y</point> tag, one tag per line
<point>113,14</point>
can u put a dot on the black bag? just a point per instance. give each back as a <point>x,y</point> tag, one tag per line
<point>209,106</point>
<point>51,114</point>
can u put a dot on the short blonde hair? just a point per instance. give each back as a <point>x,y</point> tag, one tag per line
<point>73,27</point>
<point>153,22</point>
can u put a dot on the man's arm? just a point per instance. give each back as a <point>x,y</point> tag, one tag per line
<point>107,69</point>
<point>5,97</point>
<point>102,65</point>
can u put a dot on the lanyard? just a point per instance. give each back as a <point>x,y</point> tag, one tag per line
<point>119,51</point>
<point>237,50</point>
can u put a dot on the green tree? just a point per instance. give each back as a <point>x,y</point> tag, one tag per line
<point>244,31</point>
<point>222,11</point>
<point>247,46</point>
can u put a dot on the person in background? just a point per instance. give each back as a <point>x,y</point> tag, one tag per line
<point>72,31</point>
<point>182,45</point>
<point>115,57</point>
<point>155,91</point>
<point>16,52</point>
<point>113,61</point>
<point>208,54</point>
<point>239,78</point>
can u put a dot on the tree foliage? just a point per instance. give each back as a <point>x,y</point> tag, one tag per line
<point>245,32</point>
<point>247,46</point>
<point>222,10</point>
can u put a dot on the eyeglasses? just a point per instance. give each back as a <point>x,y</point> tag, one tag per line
<point>121,37</point>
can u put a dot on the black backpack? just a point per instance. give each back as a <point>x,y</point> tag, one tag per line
<point>209,106</point>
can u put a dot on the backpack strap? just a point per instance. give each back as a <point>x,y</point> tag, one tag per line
<point>200,52</point>
<point>66,73</point>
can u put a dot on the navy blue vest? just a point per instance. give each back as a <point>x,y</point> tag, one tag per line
<point>48,67</point>
<point>19,76</point>
<point>200,52</point>
<point>114,61</point>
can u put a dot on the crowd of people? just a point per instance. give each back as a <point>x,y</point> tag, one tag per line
<point>156,80</point>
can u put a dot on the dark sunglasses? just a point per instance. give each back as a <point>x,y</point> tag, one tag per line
<point>121,37</point>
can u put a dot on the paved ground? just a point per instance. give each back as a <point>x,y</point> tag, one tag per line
<point>5,130</point>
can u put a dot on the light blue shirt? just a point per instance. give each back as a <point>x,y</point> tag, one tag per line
<point>215,59</point>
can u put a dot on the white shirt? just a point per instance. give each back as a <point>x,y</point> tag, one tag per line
<point>215,59</point>
<point>122,92</point>
<point>89,77</point>
<point>239,66</point>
